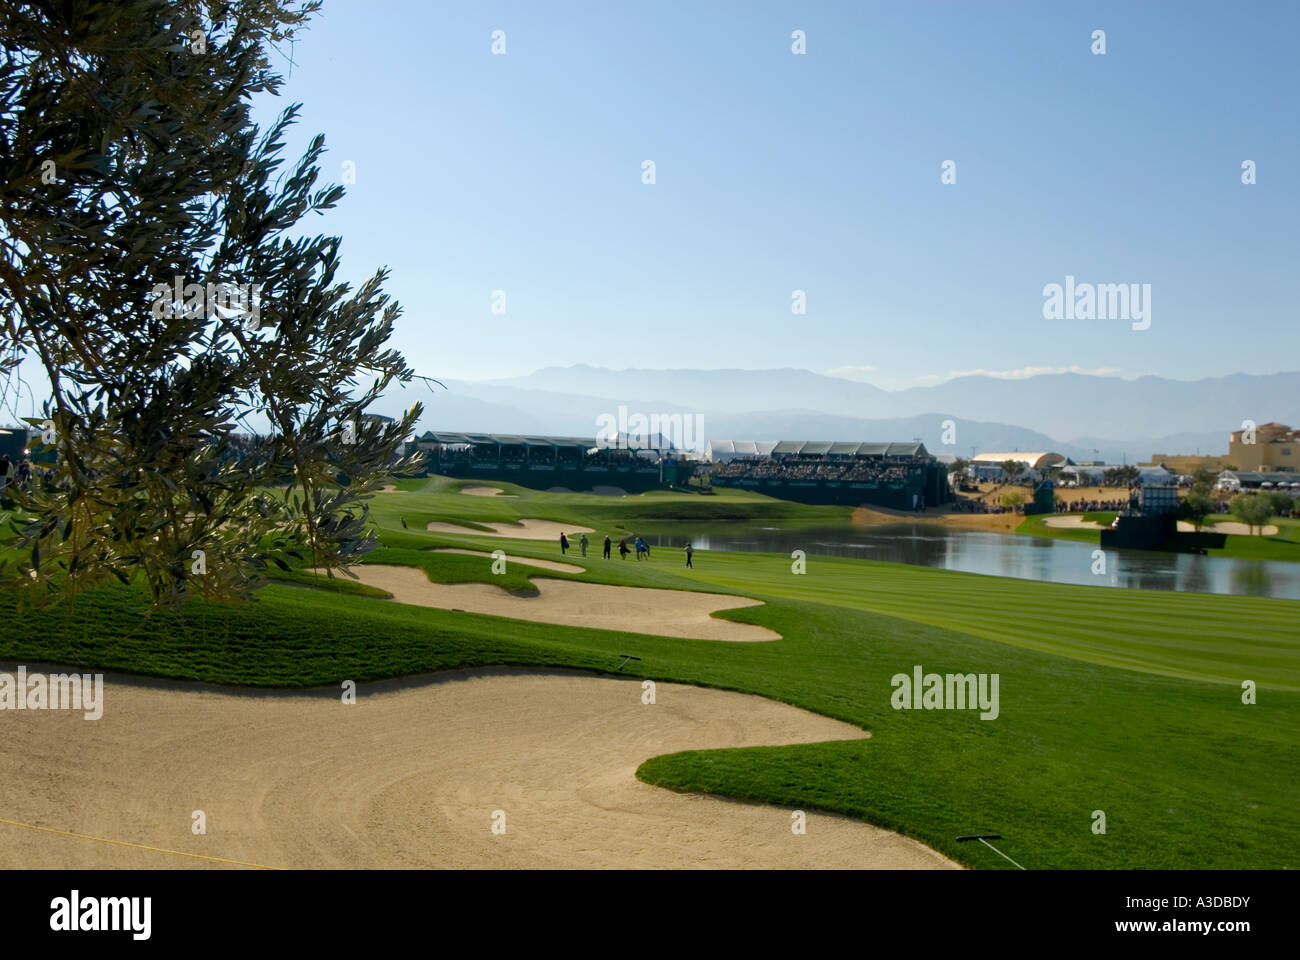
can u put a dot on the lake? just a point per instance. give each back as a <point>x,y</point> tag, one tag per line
<point>1027,558</point>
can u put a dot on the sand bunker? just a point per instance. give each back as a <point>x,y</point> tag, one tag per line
<point>409,777</point>
<point>1074,523</point>
<point>661,613</point>
<point>1226,526</point>
<point>475,491</point>
<point>524,530</point>
<point>1231,526</point>
<point>390,488</point>
<point>543,564</point>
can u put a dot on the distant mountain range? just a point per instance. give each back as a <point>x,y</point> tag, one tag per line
<point>1080,416</point>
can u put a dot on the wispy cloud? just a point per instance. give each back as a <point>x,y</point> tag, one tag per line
<point>1023,373</point>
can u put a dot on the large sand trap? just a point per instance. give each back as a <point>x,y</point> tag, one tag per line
<point>524,530</point>
<point>543,564</point>
<point>476,491</point>
<point>660,613</point>
<point>409,777</point>
<point>1231,526</point>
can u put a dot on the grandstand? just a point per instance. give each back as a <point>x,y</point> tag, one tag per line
<point>901,476</point>
<point>541,462</point>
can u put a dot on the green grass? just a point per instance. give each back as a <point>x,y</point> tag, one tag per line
<point>1125,701</point>
<point>339,583</point>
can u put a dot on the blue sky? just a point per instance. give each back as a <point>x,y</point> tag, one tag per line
<point>820,172</point>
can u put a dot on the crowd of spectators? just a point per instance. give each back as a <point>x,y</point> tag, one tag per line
<point>866,470</point>
<point>1095,506</point>
<point>855,470</point>
<point>1090,506</point>
<point>613,457</point>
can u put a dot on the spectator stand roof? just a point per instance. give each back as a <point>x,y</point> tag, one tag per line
<point>819,448</point>
<point>447,438</point>
<point>724,450</point>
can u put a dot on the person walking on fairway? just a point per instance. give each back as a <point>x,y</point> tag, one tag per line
<point>564,544</point>
<point>606,555</point>
<point>622,549</point>
<point>690,552</point>
<point>582,543</point>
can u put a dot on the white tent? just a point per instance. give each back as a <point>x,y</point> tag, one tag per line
<point>1086,474</point>
<point>723,450</point>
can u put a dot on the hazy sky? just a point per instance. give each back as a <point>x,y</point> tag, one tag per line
<point>820,172</point>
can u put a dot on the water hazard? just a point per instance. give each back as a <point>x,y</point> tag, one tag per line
<point>1028,558</point>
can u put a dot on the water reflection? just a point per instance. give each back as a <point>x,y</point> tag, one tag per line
<point>1027,558</point>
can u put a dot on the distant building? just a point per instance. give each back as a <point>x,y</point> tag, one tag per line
<point>1276,447</point>
<point>1187,465</point>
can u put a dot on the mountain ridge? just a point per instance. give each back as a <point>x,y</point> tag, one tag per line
<point>1147,409</point>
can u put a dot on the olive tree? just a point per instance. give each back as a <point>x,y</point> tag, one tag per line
<point>149,267</point>
<point>1251,509</point>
